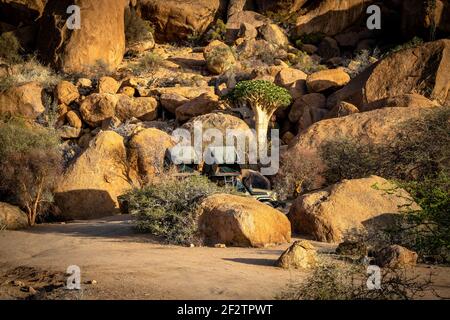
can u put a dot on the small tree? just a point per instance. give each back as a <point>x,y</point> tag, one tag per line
<point>30,162</point>
<point>264,98</point>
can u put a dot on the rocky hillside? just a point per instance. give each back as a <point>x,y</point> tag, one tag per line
<point>112,91</point>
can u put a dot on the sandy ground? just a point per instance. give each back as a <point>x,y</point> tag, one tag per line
<point>127,265</point>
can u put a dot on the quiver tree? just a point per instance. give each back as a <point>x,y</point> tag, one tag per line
<point>264,98</point>
<point>30,162</point>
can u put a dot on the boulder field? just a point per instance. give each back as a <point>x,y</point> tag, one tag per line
<point>114,103</point>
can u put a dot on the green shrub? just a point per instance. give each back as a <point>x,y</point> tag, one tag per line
<point>420,149</point>
<point>10,48</point>
<point>193,39</point>
<point>305,63</point>
<point>49,118</point>
<point>348,159</point>
<point>221,58</point>
<point>259,55</point>
<point>170,209</point>
<point>30,162</point>
<point>264,54</point>
<point>149,63</point>
<point>361,62</point>
<point>425,230</point>
<point>217,31</point>
<point>327,282</point>
<point>17,136</point>
<point>136,28</point>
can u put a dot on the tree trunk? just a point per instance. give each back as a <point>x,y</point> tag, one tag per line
<point>262,120</point>
<point>33,210</point>
<point>29,214</point>
<point>32,220</point>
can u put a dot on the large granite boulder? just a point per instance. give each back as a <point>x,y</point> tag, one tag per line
<point>178,20</point>
<point>331,214</point>
<point>242,221</point>
<point>98,44</point>
<point>90,186</point>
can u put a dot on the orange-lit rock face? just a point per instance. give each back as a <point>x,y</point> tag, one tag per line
<point>99,43</point>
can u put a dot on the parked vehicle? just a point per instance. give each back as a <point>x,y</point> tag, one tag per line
<point>259,187</point>
<point>222,167</point>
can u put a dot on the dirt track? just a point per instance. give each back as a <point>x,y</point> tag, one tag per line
<point>133,266</point>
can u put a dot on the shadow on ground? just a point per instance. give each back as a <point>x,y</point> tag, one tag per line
<point>252,261</point>
<point>115,228</point>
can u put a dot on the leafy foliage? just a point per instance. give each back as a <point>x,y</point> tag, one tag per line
<point>261,55</point>
<point>170,209</point>
<point>217,31</point>
<point>193,38</point>
<point>221,55</point>
<point>6,83</point>
<point>17,136</point>
<point>302,61</point>
<point>426,230</point>
<point>420,149</point>
<point>283,15</point>
<point>298,44</point>
<point>262,93</point>
<point>361,62</point>
<point>418,159</point>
